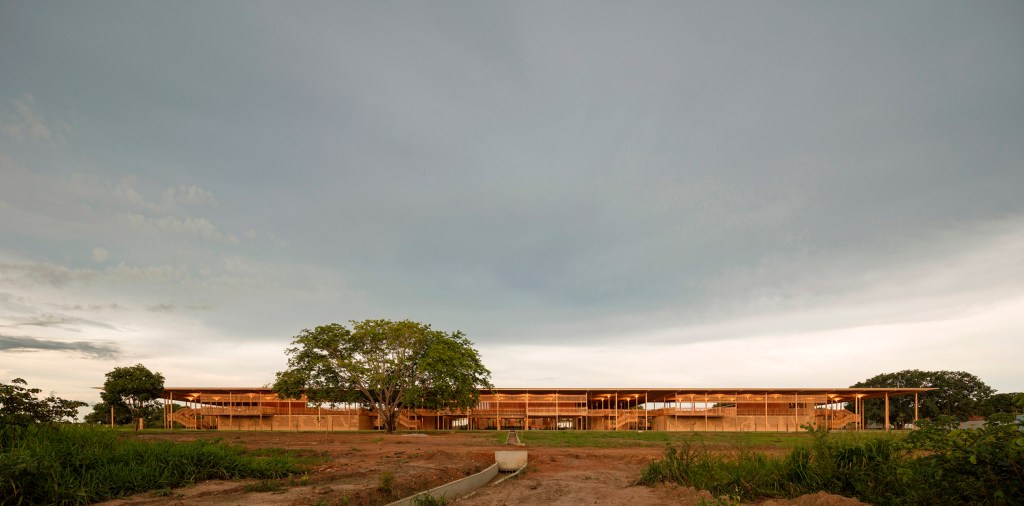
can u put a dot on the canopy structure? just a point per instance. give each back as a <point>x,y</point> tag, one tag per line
<point>663,409</point>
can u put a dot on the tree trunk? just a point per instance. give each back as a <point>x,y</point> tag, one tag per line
<point>391,420</point>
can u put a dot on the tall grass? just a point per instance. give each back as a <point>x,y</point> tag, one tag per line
<point>634,439</point>
<point>936,465</point>
<point>50,464</point>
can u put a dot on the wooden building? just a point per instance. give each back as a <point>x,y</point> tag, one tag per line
<point>660,409</point>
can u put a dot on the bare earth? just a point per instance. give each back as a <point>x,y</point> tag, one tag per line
<point>567,476</point>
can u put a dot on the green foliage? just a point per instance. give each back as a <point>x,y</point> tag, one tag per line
<point>937,464</point>
<point>21,406</point>
<point>958,393</point>
<point>1002,403</point>
<point>385,365</point>
<point>634,439</point>
<point>100,415</point>
<point>451,372</point>
<point>429,500</point>
<point>42,464</point>
<point>133,389</point>
<point>386,483</point>
<point>980,466</point>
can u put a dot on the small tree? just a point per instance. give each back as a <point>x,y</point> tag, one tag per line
<point>132,388</point>
<point>386,366</point>
<point>21,406</point>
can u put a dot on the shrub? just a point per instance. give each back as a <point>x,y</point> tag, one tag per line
<point>938,464</point>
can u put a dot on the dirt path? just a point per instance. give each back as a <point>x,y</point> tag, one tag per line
<point>359,462</point>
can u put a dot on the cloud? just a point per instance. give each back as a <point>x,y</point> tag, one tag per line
<point>190,196</point>
<point>30,274</point>
<point>26,121</point>
<point>194,227</point>
<point>98,349</point>
<point>89,307</point>
<point>58,320</point>
<point>57,276</point>
<point>99,255</point>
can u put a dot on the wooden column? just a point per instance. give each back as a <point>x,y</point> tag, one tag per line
<point>796,412</point>
<point>705,412</point>
<point>526,422</point>
<point>915,410</point>
<point>556,411</point>
<point>616,411</point>
<point>887,411</point>
<point>766,411</point>
<point>856,411</point>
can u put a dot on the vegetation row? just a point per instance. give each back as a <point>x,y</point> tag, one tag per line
<point>937,464</point>
<point>74,464</point>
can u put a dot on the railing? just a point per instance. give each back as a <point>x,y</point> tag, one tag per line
<point>716,412</point>
<point>275,410</point>
<point>190,419</point>
<point>625,418</point>
<point>837,418</point>
<point>531,411</point>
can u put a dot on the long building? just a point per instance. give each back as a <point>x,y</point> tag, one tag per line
<point>659,409</point>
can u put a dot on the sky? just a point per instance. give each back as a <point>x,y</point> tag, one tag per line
<point>599,194</point>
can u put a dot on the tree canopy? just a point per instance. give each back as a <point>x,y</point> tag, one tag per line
<point>133,389</point>
<point>958,394</point>
<point>22,406</point>
<point>384,365</point>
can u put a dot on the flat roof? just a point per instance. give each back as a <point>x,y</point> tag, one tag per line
<point>652,394</point>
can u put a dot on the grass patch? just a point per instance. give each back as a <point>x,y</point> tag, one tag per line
<point>264,486</point>
<point>386,483</point>
<point>74,464</point>
<point>429,500</point>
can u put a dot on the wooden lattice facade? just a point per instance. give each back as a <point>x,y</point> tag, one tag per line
<point>659,409</point>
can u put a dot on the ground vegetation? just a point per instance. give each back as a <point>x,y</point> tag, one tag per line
<point>937,464</point>
<point>81,464</point>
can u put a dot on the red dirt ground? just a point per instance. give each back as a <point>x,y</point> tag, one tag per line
<point>560,476</point>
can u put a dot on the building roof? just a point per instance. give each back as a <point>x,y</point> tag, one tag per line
<point>650,394</point>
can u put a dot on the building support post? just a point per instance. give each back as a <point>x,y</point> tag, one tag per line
<point>616,411</point>
<point>645,412</point>
<point>915,410</point>
<point>796,412</point>
<point>705,412</point>
<point>887,411</point>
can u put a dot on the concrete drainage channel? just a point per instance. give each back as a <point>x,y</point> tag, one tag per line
<point>506,465</point>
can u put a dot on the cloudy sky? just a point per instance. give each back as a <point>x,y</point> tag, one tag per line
<point>598,193</point>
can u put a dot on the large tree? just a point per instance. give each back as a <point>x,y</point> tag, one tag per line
<point>133,389</point>
<point>958,394</point>
<point>385,365</point>
<point>22,406</point>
